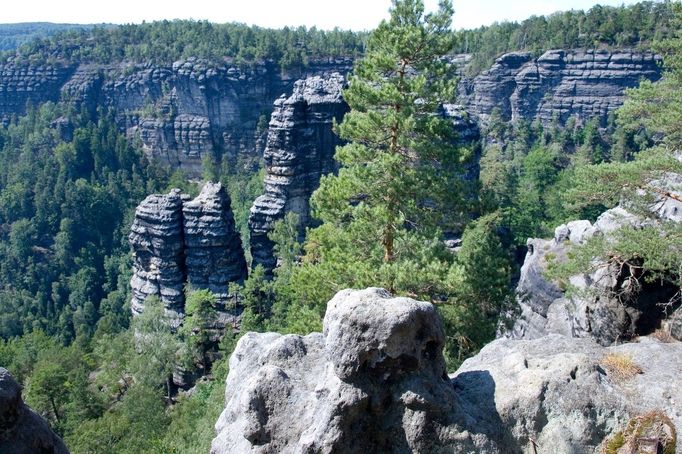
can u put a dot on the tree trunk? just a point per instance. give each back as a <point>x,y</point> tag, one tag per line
<point>389,237</point>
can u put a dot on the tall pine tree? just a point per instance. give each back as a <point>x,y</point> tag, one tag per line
<point>400,169</point>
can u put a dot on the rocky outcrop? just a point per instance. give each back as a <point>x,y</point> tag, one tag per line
<point>22,431</point>
<point>192,108</point>
<point>213,249</point>
<point>560,84</point>
<point>374,381</point>
<point>561,395</point>
<point>156,239</point>
<point>177,241</point>
<point>29,84</point>
<point>300,149</point>
<point>609,302</point>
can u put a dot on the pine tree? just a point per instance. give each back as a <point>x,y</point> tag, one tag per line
<point>400,158</point>
<point>398,183</point>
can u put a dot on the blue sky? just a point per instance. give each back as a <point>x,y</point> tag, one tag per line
<point>353,14</point>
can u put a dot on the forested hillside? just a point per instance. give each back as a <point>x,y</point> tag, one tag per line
<point>14,35</point>
<point>398,214</point>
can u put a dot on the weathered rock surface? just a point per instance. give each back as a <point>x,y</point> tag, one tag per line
<point>177,241</point>
<point>182,111</point>
<point>607,306</point>
<point>22,431</point>
<point>194,108</point>
<point>20,85</point>
<point>213,249</point>
<point>560,83</point>
<point>156,239</point>
<point>556,392</point>
<point>300,149</point>
<point>374,381</point>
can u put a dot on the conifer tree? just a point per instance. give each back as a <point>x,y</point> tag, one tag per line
<point>400,159</point>
<point>400,169</point>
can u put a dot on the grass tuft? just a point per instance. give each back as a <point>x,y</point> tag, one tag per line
<point>620,366</point>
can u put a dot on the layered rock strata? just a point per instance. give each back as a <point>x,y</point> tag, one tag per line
<point>177,241</point>
<point>31,84</point>
<point>374,381</point>
<point>156,238</point>
<point>22,431</point>
<point>299,150</point>
<point>192,108</point>
<point>213,249</point>
<point>558,85</point>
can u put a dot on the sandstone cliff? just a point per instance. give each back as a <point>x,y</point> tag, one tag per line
<point>559,84</point>
<point>22,431</point>
<point>21,85</point>
<point>195,108</point>
<point>375,381</point>
<point>177,242</point>
<point>300,149</point>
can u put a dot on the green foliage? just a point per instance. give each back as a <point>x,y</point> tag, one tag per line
<point>653,251</point>
<point>382,211</point>
<point>631,26</point>
<point>167,41</point>
<point>479,289</point>
<point>65,208</point>
<point>199,315</point>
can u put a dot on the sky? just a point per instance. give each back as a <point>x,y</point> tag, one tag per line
<point>325,14</point>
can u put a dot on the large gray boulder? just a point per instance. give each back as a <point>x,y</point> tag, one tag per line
<point>22,431</point>
<point>374,381</point>
<point>560,394</point>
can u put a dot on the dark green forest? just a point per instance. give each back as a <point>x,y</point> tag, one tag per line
<point>67,203</point>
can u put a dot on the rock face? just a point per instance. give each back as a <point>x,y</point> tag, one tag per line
<point>22,431</point>
<point>557,392</point>
<point>156,238</point>
<point>607,306</point>
<point>213,249</point>
<point>561,84</point>
<point>177,241</point>
<point>300,149</point>
<point>195,108</point>
<point>374,381</point>
<point>182,112</point>
<point>20,85</point>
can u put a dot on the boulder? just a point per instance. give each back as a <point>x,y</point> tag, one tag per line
<point>23,431</point>
<point>374,381</point>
